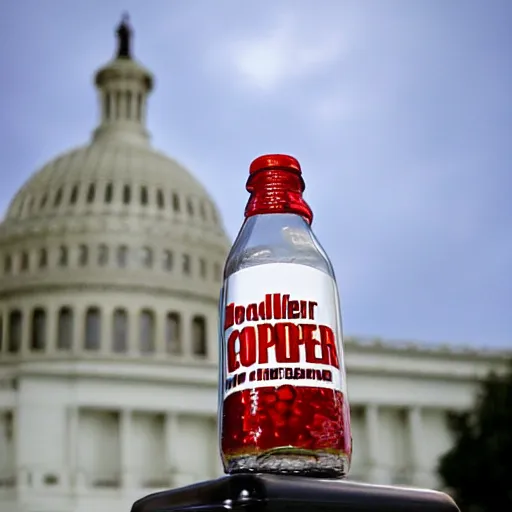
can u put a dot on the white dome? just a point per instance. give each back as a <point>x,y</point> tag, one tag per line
<point>112,177</point>
<point>112,248</point>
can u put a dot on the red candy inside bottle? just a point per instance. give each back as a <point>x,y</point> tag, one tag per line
<point>268,417</point>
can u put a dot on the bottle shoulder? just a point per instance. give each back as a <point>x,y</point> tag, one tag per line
<point>276,238</point>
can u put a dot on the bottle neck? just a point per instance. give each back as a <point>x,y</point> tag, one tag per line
<point>276,238</point>
<point>274,229</point>
<point>277,191</point>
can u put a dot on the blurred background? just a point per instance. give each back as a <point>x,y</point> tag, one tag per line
<point>122,188</point>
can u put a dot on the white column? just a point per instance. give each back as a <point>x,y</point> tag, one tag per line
<point>372,438</point>
<point>111,111</point>
<point>112,101</point>
<point>160,348</point>
<point>51,330</point>
<point>77,477</point>
<point>106,330</point>
<point>127,473</point>
<point>186,335</point>
<point>171,440</point>
<point>416,440</point>
<point>77,341</point>
<point>26,330</point>
<point>16,471</point>
<point>178,477</point>
<point>133,332</point>
<point>133,107</point>
<point>72,418</point>
<point>123,105</point>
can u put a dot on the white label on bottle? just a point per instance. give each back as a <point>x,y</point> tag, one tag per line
<point>281,325</point>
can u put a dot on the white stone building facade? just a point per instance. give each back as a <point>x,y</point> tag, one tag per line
<point>110,267</point>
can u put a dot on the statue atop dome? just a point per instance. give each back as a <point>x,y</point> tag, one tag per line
<point>124,35</point>
<point>123,86</point>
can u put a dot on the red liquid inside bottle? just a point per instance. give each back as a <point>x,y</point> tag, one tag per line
<point>282,392</point>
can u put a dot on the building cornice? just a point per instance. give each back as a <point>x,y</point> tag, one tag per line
<point>469,353</point>
<point>199,373</point>
<point>169,369</point>
<point>146,286</point>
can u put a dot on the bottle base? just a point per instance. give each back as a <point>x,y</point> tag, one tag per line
<point>323,465</point>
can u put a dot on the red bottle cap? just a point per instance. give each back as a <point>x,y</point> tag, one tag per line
<point>276,185</point>
<point>267,162</point>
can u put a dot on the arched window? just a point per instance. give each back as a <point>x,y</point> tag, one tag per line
<point>190,207</point>
<point>175,202</point>
<point>147,332</point>
<point>186,264</point>
<point>127,196</point>
<point>102,255</point>
<point>173,333</point>
<point>160,199</point>
<point>199,336</point>
<point>74,195</point>
<point>24,261</point>
<point>167,262</point>
<point>24,207</point>
<point>38,333</point>
<point>7,264</point>
<point>43,258</point>
<point>122,256</point>
<point>147,257</point>
<point>143,195</point>
<point>83,255</point>
<point>31,205</point>
<point>91,192</point>
<point>63,256</point>
<point>19,209</point>
<point>44,198</point>
<point>92,329</point>
<point>15,330</point>
<point>1,333</point>
<point>108,193</point>
<point>58,197</point>
<point>202,267</point>
<point>217,271</point>
<point>65,328</point>
<point>120,331</point>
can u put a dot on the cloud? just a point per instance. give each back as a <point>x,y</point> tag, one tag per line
<point>268,61</point>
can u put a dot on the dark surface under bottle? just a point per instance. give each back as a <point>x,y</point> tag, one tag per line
<point>276,493</point>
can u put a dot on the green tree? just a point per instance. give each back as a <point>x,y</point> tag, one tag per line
<point>478,469</point>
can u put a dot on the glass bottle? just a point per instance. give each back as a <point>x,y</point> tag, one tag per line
<point>282,388</point>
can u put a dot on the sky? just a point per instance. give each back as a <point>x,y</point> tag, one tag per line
<point>400,113</point>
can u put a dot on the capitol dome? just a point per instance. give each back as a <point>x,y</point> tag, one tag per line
<point>112,248</point>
